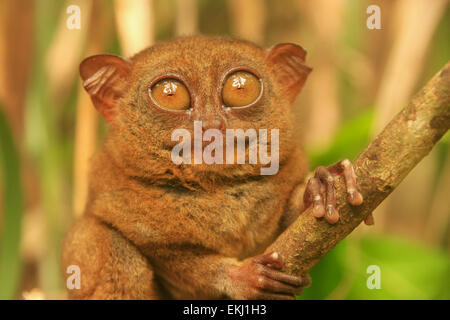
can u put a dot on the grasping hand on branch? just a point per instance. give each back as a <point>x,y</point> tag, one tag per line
<point>380,168</point>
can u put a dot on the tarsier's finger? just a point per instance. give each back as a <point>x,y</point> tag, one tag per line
<point>274,296</point>
<point>270,285</point>
<point>282,277</point>
<point>272,259</point>
<point>323,190</point>
<point>354,197</point>
<point>331,215</point>
<point>315,194</point>
<point>369,220</point>
<point>306,281</point>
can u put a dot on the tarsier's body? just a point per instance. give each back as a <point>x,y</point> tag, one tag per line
<point>155,229</point>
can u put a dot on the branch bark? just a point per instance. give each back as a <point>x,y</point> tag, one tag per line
<point>380,168</point>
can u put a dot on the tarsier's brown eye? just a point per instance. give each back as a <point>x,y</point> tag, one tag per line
<point>241,89</point>
<point>171,94</point>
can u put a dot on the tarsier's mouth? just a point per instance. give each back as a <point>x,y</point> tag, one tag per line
<point>236,146</point>
<point>169,146</point>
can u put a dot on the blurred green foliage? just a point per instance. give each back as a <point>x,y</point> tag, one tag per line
<point>408,270</point>
<point>10,264</point>
<point>352,137</point>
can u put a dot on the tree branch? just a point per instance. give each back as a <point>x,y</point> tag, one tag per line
<point>380,168</point>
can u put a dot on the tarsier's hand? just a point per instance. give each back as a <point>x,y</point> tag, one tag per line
<point>321,193</point>
<point>259,278</point>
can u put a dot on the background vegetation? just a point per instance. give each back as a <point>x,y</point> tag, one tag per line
<point>361,78</point>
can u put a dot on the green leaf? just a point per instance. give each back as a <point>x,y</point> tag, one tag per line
<point>10,265</point>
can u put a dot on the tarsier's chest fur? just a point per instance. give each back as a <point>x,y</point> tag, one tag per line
<point>163,221</point>
<point>236,219</point>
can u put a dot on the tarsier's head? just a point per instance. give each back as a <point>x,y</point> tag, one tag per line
<point>217,84</point>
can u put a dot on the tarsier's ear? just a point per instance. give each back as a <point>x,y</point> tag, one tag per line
<point>289,62</point>
<point>104,79</point>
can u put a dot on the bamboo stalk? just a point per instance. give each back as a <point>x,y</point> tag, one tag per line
<point>439,214</point>
<point>134,25</point>
<point>65,52</point>
<point>406,60</point>
<point>187,16</point>
<point>324,110</point>
<point>86,133</point>
<point>86,125</point>
<point>16,17</point>
<point>248,19</point>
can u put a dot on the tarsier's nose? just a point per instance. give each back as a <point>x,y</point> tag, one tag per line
<point>214,123</point>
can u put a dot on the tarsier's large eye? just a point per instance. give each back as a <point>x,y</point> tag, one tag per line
<point>240,89</point>
<point>171,94</point>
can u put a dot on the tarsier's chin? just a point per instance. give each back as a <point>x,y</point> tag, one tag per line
<point>179,106</point>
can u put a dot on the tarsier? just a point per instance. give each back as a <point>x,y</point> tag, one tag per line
<point>153,229</point>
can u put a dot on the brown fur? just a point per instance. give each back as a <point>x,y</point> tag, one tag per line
<point>153,229</point>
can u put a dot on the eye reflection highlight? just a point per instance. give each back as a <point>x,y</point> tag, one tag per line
<point>240,89</point>
<point>171,94</point>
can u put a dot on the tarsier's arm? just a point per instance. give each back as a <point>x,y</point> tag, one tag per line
<point>198,274</point>
<point>110,266</point>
